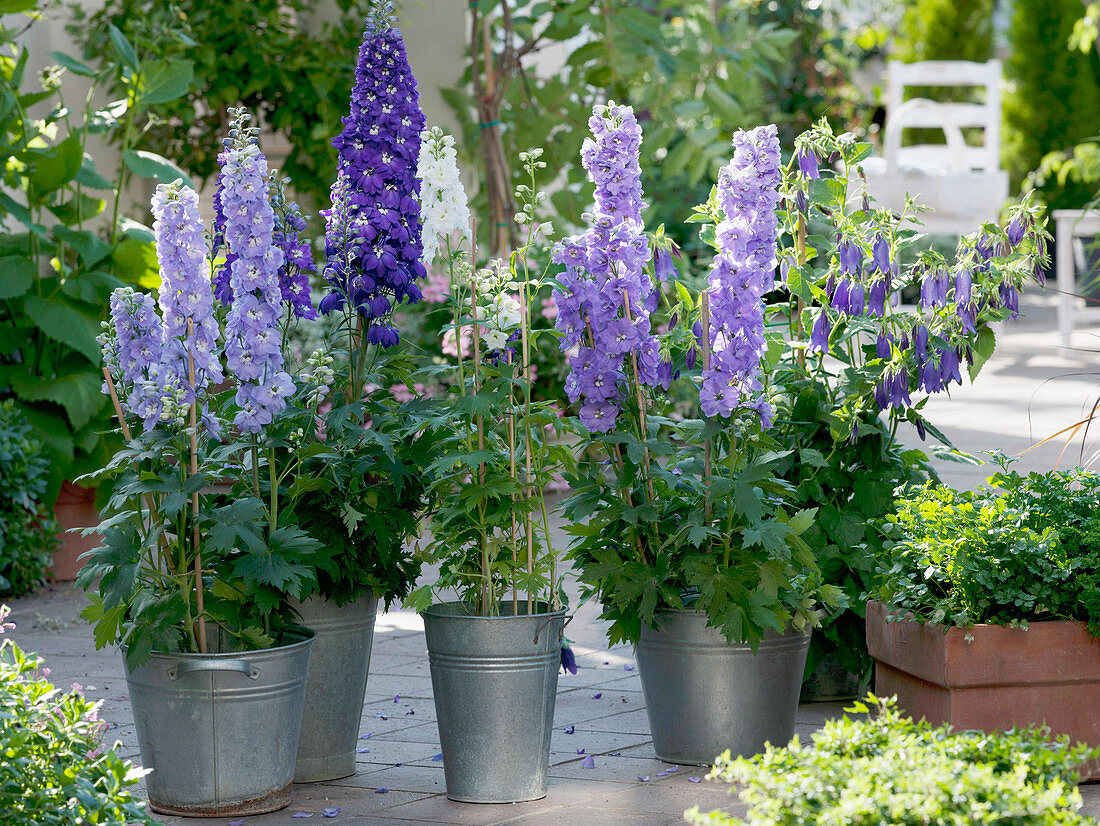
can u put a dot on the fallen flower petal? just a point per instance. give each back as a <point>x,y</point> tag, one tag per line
<point>362,751</point>
<point>331,812</point>
<point>588,763</point>
<point>695,780</point>
<point>644,779</point>
<point>381,790</point>
<point>438,757</point>
<point>302,814</point>
<point>569,729</point>
<point>597,695</point>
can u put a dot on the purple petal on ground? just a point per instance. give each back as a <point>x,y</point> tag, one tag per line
<point>580,751</point>
<point>644,779</point>
<point>588,763</point>
<point>301,814</point>
<point>381,716</point>
<point>397,698</point>
<point>695,780</point>
<point>628,668</point>
<point>615,754</point>
<point>662,774</point>
<point>438,757</point>
<point>672,769</point>
<point>410,711</point>
<point>398,764</point>
<point>569,729</point>
<point>366,736</point>
<point>362,751</point>
<point>597,695</point>
<point>331,812</point>
<point>607,662</point>
<point>381,790</point>
<point>236,823</point>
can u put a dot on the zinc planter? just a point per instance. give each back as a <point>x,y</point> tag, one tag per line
<point>494,681</point>
<point>337,682</point>
<point>1046,674</point>
<point>704,695</point>
<point>220,731</point>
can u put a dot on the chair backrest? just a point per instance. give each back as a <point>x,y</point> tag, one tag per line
<point>950,117</point>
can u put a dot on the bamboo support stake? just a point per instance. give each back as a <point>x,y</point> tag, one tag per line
<point>118,406</point>
<point>200,619</point>
<point>512,470</point>
<point>487,574</point>
<point>641,404</point>
<point>707,458</point>
<point>528,487</point>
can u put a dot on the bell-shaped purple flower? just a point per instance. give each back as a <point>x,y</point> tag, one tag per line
<point>851,257</point>
<point>664,265</point>
<point>1016,229</point>
<point>880,254</point>
<point>876,298</point>
<point>807,163</point>
<point>819,333</point>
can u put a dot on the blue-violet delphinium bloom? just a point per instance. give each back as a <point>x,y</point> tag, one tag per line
<point>253,342</point>
<point>743,270</point>
<point>186,293</point>
<point>608,296</point>
<point>373,244</point>
<point>132,349</point>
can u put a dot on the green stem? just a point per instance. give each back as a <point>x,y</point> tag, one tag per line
<point>127,137</point>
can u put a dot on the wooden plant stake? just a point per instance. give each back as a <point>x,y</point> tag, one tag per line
<point>201,620</point>
<point>641,404</point>
<point>707,458</point>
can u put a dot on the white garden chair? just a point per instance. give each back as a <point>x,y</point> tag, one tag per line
<point>963,184</point>
<point>1076,230</point>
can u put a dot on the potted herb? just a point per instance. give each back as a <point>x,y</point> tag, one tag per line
<point>193,583</point>
<point>679,525</point>
<point>985,612</point>
<point>344,463</point>
<point>494,652</point>
<point>886,768</point>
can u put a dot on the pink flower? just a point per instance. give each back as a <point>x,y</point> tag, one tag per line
<point>436,288</point>
<point>549,308</point>
<point>449,347</point>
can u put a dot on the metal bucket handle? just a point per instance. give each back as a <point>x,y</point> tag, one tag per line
<point>561,633</point>
<point>189,666</point>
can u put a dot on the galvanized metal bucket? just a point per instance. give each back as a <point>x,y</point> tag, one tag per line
<point>494,681</point>
<point>337,682</point>
<point>220,731</point>
<point>704,695</point>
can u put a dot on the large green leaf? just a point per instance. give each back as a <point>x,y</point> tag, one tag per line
<point>79,208</point>
<point>16,276</point>
<point>51,427</point>
<point>136,262</point>
<point>62,321</point>
<point>12,338</point>
<point>90,247</point>
<point>52,168</point>
<point>92,287</point>
<point>17,6</point>
<point>165,80</point>
<point>88,177</point>
<point>79,393</point>
<point>123,47</point>
<point>72,64</point>
<point>152,165</point>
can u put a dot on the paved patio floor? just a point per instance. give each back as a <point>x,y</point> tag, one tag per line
<point>1030,388</point>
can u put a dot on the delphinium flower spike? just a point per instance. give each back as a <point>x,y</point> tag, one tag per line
<point>373,240</point>
<point>253,346</point>
<point>742,272</point>
<point>444,207</point>
<point>607,296</point>
<point>132,344</point>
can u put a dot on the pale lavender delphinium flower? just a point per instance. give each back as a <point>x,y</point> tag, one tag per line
<point>607,297</point>
<point>132,344</point>
<point>743,270</point>
<point>253,342</point>
<point>186,293</point>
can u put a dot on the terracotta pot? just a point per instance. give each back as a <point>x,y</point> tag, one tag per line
<point>75,508</point>
<point>1046,674</point>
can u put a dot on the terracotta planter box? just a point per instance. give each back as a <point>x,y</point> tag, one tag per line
<point>1047,674</point>
<point>75,508</point>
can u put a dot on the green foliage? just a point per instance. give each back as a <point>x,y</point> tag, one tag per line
<point>889,769</point>
<point>1067,178</point>
<point>59,270</point>
<point>1054,98</point>
<point>27,531</point>
<point>946,30</point>
<point>851,485</point>
<point>56,771</point>
<point>1025,548</point>
<point>275,58</point>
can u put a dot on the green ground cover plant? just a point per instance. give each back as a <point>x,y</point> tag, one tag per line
<point>889,769</point>
<point>26,528</point>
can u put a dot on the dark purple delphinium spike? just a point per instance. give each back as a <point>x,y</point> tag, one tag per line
<point>876,298</point>
<point>297,255</point>
<point>373,238</point>
<point>819,335</point>
<point>807,163</point>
